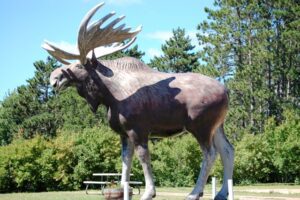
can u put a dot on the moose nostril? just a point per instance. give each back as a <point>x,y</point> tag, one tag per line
<point>54,84</point>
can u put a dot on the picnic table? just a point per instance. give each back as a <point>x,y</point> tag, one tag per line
<point>110,178</point>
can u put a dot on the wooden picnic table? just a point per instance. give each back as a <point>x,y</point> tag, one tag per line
<point>104,181</point>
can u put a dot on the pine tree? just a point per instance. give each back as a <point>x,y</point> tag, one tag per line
<point>178,55</point>
<point>253,46</point>
<point>27,110</point>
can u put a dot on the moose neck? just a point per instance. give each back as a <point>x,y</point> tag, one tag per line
<point>94,89</point>
<point>111,81</point>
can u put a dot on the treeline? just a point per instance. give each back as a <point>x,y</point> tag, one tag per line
<point>53,141</point>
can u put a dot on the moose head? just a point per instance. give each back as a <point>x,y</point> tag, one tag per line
<point>93,42</point>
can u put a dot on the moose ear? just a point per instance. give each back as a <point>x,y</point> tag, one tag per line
<point>94,60</point>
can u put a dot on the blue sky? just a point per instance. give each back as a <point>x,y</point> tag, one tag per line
<point>25,24</point>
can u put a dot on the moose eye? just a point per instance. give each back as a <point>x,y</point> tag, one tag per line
<point>60,77</point>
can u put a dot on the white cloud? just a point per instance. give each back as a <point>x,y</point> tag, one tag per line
<point>123,2</point>
<point>72,48</point>
<point>154,52</point>
<point>160,35</point>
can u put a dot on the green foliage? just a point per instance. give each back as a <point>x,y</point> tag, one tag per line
<point>64,162</point>
<point>178,55</point>
<point>27,110</point>
<point>8,119</point>
<point>72,113</point>
<point>252,47</point>
<point>59,164</point>
<point>21,168</point>
<point>176,161</point>
<point>272,156</point>
<point>284,144</point>
<point>254,159</point>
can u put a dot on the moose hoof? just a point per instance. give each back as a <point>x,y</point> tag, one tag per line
<point>148,195</point>
<point>146,198</point>
<point>194,197</point>
<point>220,197</point>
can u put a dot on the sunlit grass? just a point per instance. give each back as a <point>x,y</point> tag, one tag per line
<point>166,193</point>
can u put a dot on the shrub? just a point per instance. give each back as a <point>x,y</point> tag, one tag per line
<point>176,161</point>
<point>63,163</point>
<point>21,168</point>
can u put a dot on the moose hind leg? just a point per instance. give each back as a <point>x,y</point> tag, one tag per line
<point>226,151</point>
<point>209,154</point>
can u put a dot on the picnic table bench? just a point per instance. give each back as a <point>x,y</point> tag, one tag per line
<point>104,181</point>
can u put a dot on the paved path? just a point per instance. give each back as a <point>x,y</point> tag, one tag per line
<point>245,197</point>
<point>265,198</point>
<point>274,190</point>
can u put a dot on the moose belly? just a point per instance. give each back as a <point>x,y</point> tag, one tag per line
<point>166,124</point>
<point>166,133</point>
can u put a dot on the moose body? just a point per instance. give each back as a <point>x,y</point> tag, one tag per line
<point>162,104</point>
<point>143,102</point>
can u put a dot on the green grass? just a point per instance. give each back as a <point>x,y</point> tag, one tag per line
<point>163,193</point>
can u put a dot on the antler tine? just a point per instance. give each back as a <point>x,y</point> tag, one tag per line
<point>120,28</point>
<point>126,29</point>
<point>107,39</point>
<point>63,54</point>
<point>93,36</point>
<point>102,51</point>
<point>83,30</point>
<point>94,28</point>
<point>59,54</point>
<point>86,19</point>
<point>105,36</point>
<point>96,25</point>
<point>99,37</point>
<point>114,48</point>
<point>113,23</point>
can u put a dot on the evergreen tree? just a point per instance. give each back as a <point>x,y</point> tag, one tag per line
<point>178,55</point>
<point>253,46</point>
<point>27,110</point>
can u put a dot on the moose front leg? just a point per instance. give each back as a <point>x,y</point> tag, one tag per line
<point>127,154</point>
<point>144,157</point>
<point>140,141</point>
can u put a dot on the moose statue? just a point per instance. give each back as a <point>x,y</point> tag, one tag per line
<point>142,102</point>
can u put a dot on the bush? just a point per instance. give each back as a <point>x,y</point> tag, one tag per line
<point>272,156</point>
<point>284,142</point>
<point>21,168</point>
<point>60,164</point>
<point>64,162</point>
<point>176,161</point>
<point>253,160</point>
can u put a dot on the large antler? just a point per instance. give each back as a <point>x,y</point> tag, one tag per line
<point>103,41</point>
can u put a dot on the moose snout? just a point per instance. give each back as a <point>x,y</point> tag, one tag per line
<point>53,81</point>
<point>54,84</point>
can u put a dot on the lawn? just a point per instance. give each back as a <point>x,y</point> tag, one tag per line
<point>274,191</point>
